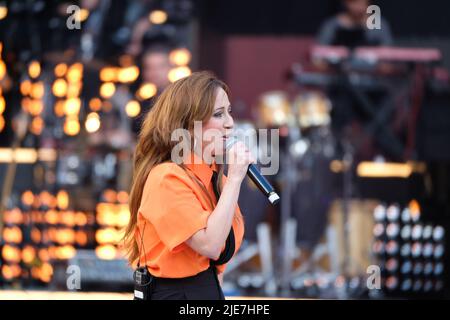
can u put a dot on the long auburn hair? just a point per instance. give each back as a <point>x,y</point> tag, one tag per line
<point>187,100</point>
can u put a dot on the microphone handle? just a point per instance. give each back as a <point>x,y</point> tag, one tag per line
<point>261,182</point>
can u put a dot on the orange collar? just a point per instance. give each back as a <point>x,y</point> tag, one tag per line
<point>201,169</point>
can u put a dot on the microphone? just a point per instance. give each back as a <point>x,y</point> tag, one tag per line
<point>258,179</point>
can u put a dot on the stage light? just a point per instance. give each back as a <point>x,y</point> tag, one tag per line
<point>379,213</point>
<point>36,236</point>
<point>392,265</point>
<point>35,107</point>
<point>46,198</point>
<point>438,233</point>
<point>417,286</point>
<point>107,106</point>
<point>405,232</point>
<point>369,169</point>
<point>405,250</point>
<point>406,285</point>
<point>74,90</point>
<point>123,216</point>
<point>65,252</point>
<point>75,73</point>
<point>13,216</point>
<point>405,215</point>
<point>51,217</point>
<point>25,87</point>
<point>128,74</point>
<point>60,70</point>
<point>392,230</point>
<point>428,250</point>
<point>62,199</point>
<point>428,269</point>
<point>438,269</point>
<point>28,254</point>
<point>95,104</point>
<point>80,219</point>
<point>60,108</point>
<point>133,108</point>
<point>83,14</point>
<point>438,251</point>
<point>157,17</point>
<point>67,218</point>
<point>59,88</point>
<point>414,210</point>
<point>2,104</point>
<point>416,232</point>
<point>110,195</point>
<point>106,235</point>
<point>393,213</point>
<point>71,127</point>
<point>106,218</point>
<point>27,198</point>
<point>180,56</point>
<point>106,252</point>
<point>3,11</point>
<point>81,238</point>
<point>378,247</point>
<point>146,91</point>
<point>392,283</point>
<point>92,123</point>
<point>427,232</point>
<point>12,235</point>
<point>416,249</point>
<point>392,247</point>
<point>46,272</point>
<point>107,90</point>
<point>2,70</point>
<point>2,123</point>
<point>406,267</point>
<point>72,106</point>
<point>11,254</point>
<point>37,90</point>
<point>34,69</point>
<point>178,73</point>
<point>122,197</point>
<point>36,126</point>
<point>10,272</point>
<point>417,268</point>
<point>109,74</point>
<point>65,236</point>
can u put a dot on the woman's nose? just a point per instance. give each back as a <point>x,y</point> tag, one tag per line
<point>229,122</point>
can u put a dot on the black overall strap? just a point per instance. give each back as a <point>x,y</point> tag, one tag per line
<point>226,254</point>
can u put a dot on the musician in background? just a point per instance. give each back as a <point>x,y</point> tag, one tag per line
<point>349,28</point>
<point>155,67</point>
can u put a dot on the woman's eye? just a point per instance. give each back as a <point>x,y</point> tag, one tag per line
<point>230,111</point>
<point>217,115</point>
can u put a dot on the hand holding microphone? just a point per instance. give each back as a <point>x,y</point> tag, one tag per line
<point>241,163</point>
<point>239,158</point>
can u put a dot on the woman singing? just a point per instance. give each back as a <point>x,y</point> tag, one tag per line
<point>185,222</point>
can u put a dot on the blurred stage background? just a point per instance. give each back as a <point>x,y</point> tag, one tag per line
<point>363,116</point>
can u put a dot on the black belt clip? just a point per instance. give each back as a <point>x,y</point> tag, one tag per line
<point>143,281</point>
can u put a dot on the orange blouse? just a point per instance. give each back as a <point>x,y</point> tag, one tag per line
<point>173,208</point>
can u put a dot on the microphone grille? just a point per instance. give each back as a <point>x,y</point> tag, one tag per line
<point>230,142</point>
